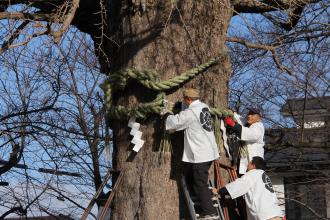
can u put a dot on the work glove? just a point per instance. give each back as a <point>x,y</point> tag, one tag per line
<point>229,121</point>
<point>224,194</point>
<point>233,127</point>
<point>166,108</point>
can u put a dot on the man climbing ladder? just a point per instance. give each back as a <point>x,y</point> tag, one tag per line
<point>200,148</point>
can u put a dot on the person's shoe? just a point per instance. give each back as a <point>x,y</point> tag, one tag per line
<point>209,217</point>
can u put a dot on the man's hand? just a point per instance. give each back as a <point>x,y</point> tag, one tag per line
<point>177,107</point>
<point>233,127</point>
<point>167,108</point>
<point>164,116</point>
<point>165,112</point>
<point>229,121</point>
<point>214,191</point>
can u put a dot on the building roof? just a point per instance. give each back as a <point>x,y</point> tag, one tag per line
<point>317,106</point>
<point>295,149</point>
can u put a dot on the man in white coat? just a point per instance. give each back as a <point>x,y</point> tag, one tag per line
<point>200,147</point>
<point>255,185</point>
<point>252,134</point>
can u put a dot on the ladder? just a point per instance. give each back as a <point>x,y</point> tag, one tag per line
<point>191,202</point>
<point>220,184</point>
<point>99,191</point>
<point>216,203</point>
<point>233,176</point>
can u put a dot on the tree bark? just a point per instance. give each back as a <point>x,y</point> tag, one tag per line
<point>169,37</point>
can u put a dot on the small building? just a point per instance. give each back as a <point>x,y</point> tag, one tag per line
<point>298,159</point>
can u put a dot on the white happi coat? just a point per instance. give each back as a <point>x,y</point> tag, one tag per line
<point>253,137</point>
<point>260,198</point>
<point>199,141</point>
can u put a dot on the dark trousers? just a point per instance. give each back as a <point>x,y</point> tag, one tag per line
<point>196,175</point>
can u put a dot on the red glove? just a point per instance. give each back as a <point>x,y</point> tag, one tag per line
<point>229,121</point>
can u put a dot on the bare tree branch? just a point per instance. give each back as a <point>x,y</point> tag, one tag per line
<point>18,209</point>
<point>27,16</point>
<point>14,36</point>
<point>309,208</point>
<point>250,6</point>
<point>14,158</point>
<point>294,16</point>
<point>272,49</point>
<point>254,6</point>
<point>57,35</point>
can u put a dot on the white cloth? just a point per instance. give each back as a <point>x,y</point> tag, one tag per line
<point>199,141</point>
<point>260,198</point>
<point>225,138</point>
<point>253,137</point>
<point>239,119</point>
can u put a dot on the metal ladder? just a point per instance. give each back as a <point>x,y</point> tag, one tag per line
<point>216,203</point>
<point>97,194</point>
<point>191,204</point>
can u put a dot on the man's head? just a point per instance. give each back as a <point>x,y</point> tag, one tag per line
<point>254,115</point>
<point>256,163</point>
<point>190,95</point>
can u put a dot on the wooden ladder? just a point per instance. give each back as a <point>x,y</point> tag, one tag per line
<point>233,176</point>
<point>99,191</point>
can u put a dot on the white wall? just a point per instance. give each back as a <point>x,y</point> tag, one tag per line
<point>278,186</point>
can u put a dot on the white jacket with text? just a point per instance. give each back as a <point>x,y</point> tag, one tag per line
<point>199,141</point>
<point>260,198</point>
<point>253,137</point>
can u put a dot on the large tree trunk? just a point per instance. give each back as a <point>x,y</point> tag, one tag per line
<point>169,37</point>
